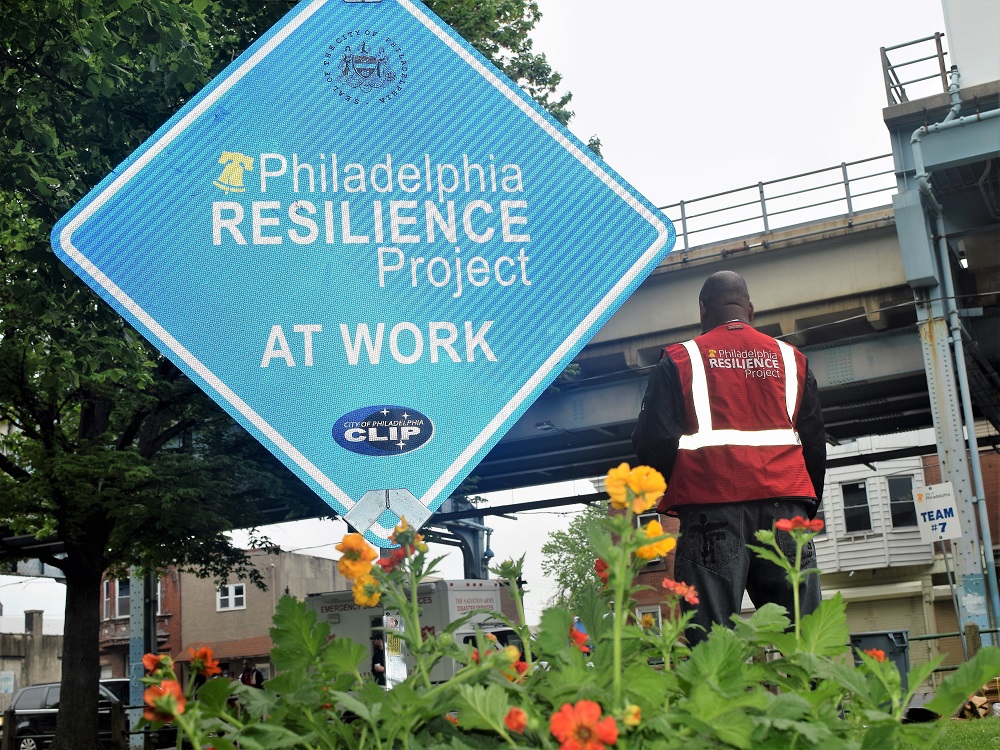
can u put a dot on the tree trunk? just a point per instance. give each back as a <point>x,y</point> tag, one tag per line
<point>81,671</point>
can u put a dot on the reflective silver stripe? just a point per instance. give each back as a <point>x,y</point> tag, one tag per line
<point>699,387</point>
<point>791,378</point>
<point>738,437</point>
<point>706,436</point>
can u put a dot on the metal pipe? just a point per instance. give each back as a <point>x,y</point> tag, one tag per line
<point>952,120</point>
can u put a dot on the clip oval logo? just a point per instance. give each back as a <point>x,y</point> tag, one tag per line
<point>383,430</point>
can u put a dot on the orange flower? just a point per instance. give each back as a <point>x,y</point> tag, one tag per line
<point>366,591</point>
<point>798,522</point>
<point>357,556</point>
<point>616,485</point>
<point>579,639</point>
<point>876,653</point>
<point>163,701</point>
<point>202,661</point>
<point>653,529</point>
<point>153,662</point>
<point>601,570</point>
<point>581,727</point>
<point>680,590</point>
<point>516,720</point>
<point>647,484</point>
<point>407,537</point>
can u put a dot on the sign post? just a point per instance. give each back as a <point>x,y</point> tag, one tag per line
<point>371,248</point>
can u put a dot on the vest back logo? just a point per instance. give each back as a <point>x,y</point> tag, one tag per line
<point>383,430</point>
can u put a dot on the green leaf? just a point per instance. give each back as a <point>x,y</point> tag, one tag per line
<point>214,694</point>
<point>482,707</point>
<point>824,631</point>
<point>964,681</point>
<point>553,633</point>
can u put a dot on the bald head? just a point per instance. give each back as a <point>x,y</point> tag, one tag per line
<point>724,297</point>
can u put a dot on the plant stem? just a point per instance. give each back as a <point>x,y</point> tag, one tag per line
<point>518,596</point>
<point>796,578</point>
<point>623,578</point>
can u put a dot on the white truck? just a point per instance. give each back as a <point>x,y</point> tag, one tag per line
<point>441,603</point>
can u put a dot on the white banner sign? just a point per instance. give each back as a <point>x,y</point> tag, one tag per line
<point>937,512</point>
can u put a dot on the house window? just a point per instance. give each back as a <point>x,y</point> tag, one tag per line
<point>653,611</point>
<point>231,596</point>
<point>641,521</point>
<point>857,517</point>
<point>122,598</point>
<point>106,600</point>
<point>901,502</point>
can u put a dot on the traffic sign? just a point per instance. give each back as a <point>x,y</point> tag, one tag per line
<point>370,247</point>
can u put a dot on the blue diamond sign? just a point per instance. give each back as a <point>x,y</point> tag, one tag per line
<point>370,247</point>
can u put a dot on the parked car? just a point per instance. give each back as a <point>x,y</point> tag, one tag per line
<point>36,708</point>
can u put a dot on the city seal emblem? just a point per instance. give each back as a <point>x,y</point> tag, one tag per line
<point>365,67</point>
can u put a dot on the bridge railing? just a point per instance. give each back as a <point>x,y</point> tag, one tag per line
<point>840,190</point>
<point>923,60</point>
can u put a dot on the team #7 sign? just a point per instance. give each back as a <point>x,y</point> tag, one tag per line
<point>368,246</point>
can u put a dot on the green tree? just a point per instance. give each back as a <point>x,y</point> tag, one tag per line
<point>568,558</point>
<point>109,446</point>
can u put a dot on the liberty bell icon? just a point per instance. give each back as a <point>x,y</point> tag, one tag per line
<point>234,164</point>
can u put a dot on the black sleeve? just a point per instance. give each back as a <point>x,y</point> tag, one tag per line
<point>812,434</point>
<point>661,419</point>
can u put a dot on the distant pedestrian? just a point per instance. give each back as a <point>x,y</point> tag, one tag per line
<point>378,661</point>
<point>251,675</point>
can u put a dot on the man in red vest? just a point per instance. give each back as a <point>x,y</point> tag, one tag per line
<point>733,422</point>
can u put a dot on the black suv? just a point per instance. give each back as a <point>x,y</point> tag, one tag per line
<point>35,710</point>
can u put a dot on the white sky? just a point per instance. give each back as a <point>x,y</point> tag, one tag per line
<point>688,99</point>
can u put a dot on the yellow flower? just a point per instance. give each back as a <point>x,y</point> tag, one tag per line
<point>652,530</point>
<point>632,716</point>
<point>616,485</point>
<point>357,556</point>
<point>366,591</point>
<point>407,537</point>
<point>648,621</point>
<point>647,484</point>
<point>512,653</point>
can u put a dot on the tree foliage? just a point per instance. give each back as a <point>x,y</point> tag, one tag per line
<point>568,559</point>
<point>103,442</point>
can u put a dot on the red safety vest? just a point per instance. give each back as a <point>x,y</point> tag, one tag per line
<point>742,393</point>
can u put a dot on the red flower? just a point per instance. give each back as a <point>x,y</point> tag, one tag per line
<point>516,720</point>
<point>203,662</point>
<point>798,522</point>
<point>579,640</point>
<point>683,590</point>
<point>581,727</point>
<point>601,569</point>
<point>876,653</point>
<point>163,701</point>
<point>153,662</point>
<point>395,558</point>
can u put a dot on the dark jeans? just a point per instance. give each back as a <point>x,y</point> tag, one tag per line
<point>713,557</point>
